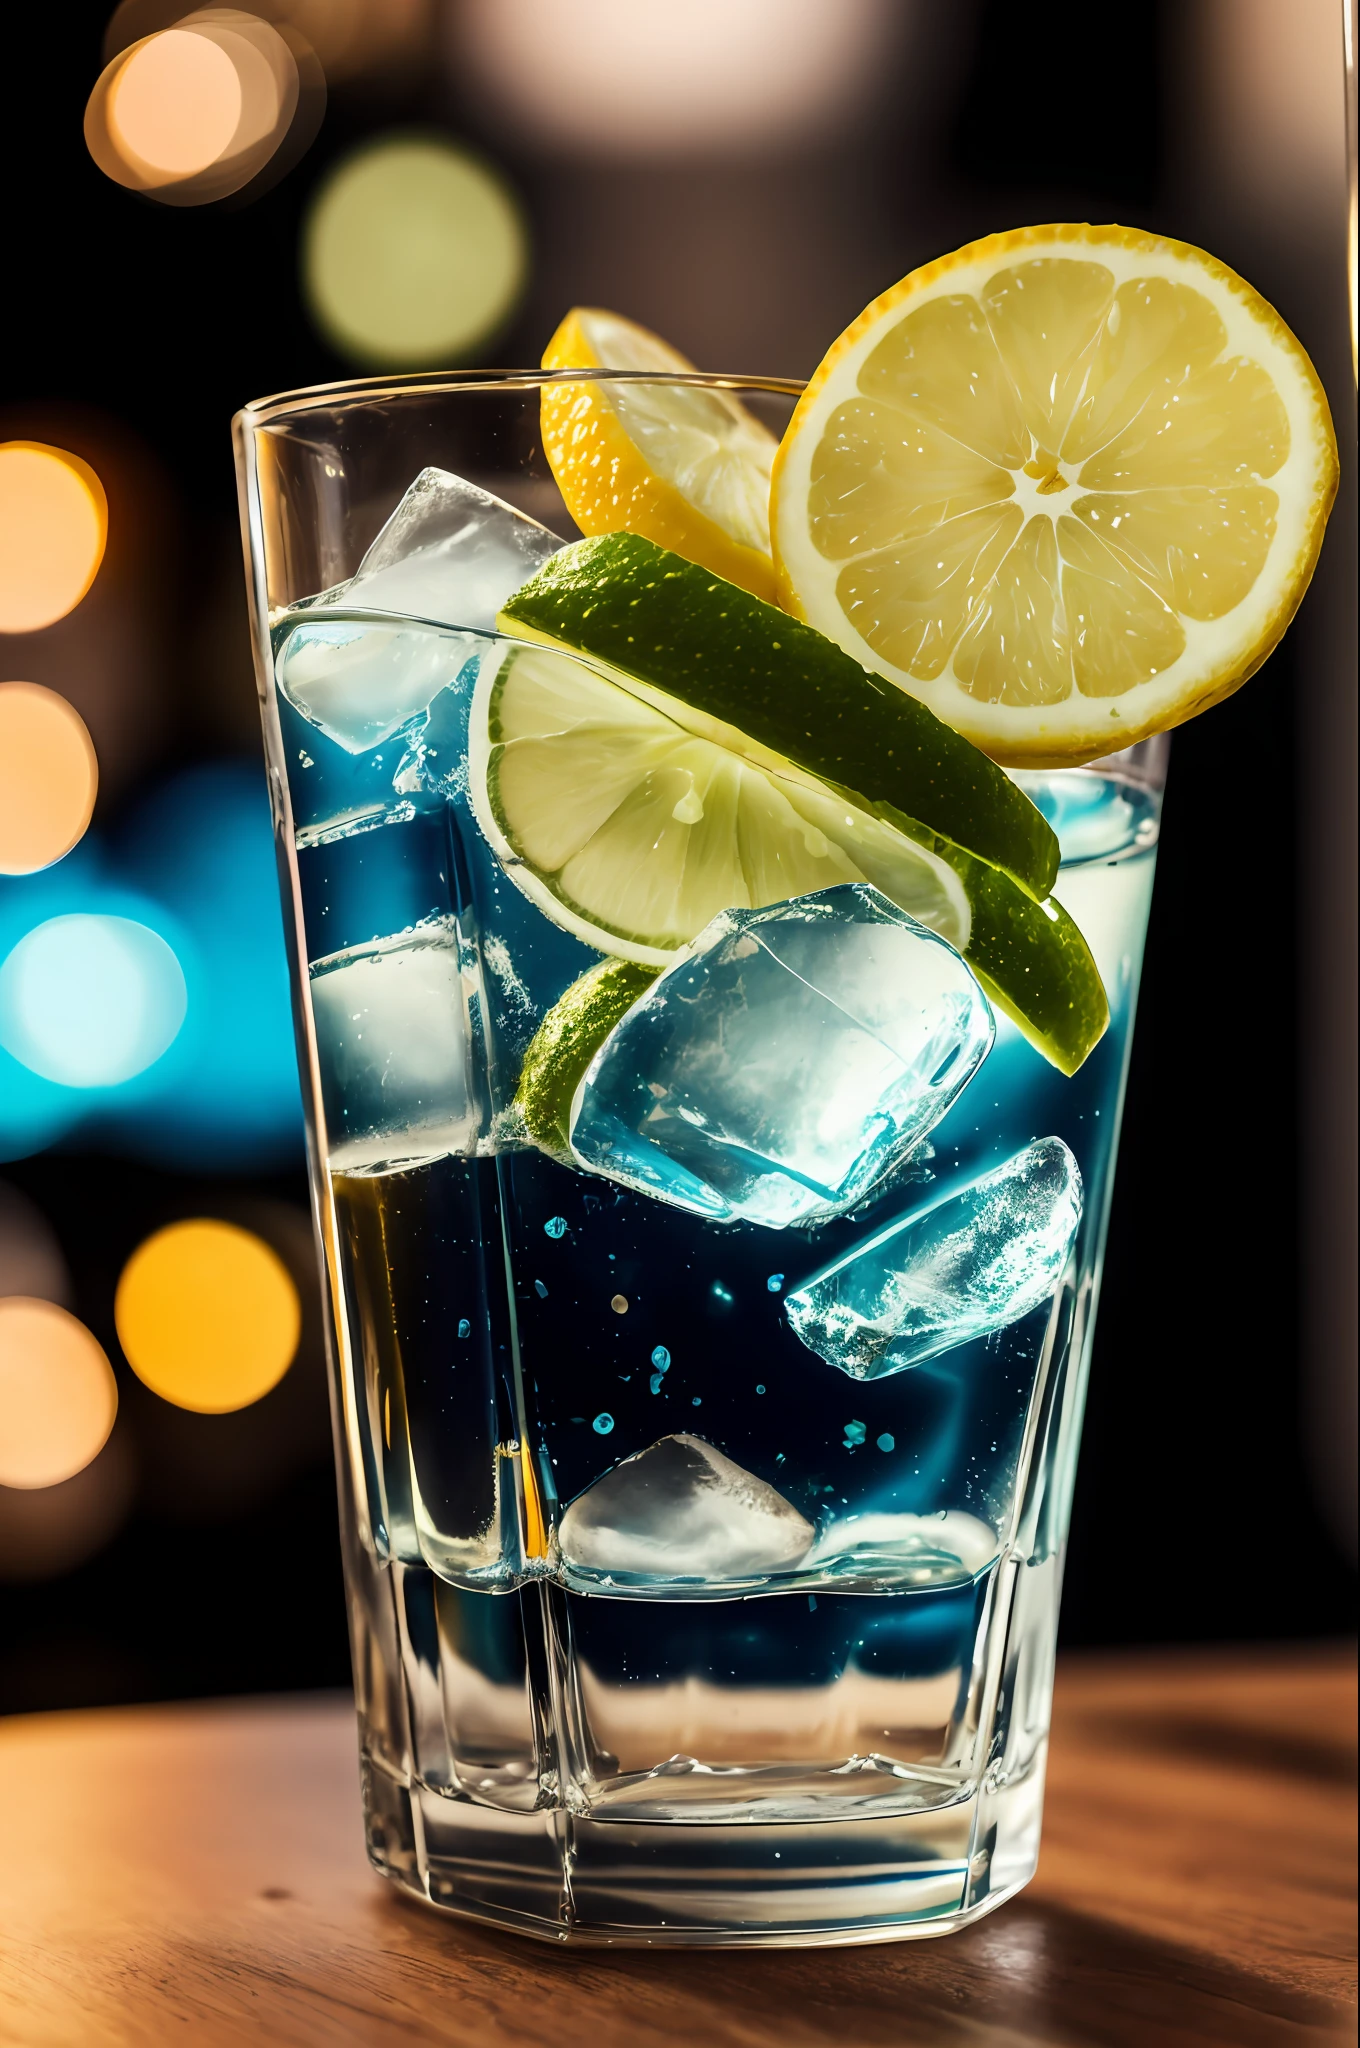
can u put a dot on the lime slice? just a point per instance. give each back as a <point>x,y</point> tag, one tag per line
<point>781,693</point>
<point>566,1042</point>
<point>632,821</point>
<point>686,465</point>
<point>1035,965</point>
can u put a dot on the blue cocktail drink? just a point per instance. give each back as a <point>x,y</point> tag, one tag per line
<point>719,848</point>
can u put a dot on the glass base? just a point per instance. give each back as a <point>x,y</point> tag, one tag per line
<point>565,1878</point>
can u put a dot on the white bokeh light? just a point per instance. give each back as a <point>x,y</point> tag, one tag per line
<point>647,78</point>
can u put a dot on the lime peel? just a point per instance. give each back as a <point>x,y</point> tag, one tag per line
<point>566,1042</point>
<point>734,658</point>
<point>577,768</point>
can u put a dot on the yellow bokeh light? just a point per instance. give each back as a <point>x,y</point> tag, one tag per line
<point>175,103</point>
<point>412,253</point>
<point>48,777</point>
<point>207,1315</point>
<point>58,1396</point>
<point>54,520</point>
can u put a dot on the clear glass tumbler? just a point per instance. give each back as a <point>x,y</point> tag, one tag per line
<point>681,1613</point>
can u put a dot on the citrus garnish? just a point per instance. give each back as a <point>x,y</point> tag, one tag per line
<point>632,823</point>
<point>1066,486</point>
<point>688,467</point>
<point>567,1041</point>
<point>779,693</point>
<point>629,803</point>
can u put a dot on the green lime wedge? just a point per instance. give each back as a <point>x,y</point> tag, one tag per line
<point>728,656</point>
<point>565,1043</point>
<point>1034,964</point>
<point>632,814</point>
<point>632,830</point>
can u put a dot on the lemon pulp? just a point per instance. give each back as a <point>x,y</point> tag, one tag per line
<point>1066,486</point>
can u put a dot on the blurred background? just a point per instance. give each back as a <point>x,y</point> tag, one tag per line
<point>205,209</point>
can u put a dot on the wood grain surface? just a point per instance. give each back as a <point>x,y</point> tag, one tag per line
<point>195,1874</point>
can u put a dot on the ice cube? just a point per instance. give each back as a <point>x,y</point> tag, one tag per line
<point>680,1510</point>
<point>450,552</point>
<point>394,1045</point>
<point>789,1061</point>
<point>973,1262</point>
<point>916,1550</point>
<point>360,683</point>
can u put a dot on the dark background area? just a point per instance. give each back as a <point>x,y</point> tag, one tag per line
<point>1203,1510</point>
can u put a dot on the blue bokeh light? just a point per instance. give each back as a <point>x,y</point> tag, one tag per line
<point>203,845</point>
<point>89,1000</point>
<point>194,869</point>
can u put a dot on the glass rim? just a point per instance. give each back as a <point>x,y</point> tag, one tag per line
<point>258,413</point>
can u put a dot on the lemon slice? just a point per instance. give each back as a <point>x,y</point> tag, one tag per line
<point>689,468</point>
<point>1066,486</point>
<point>633,825</point>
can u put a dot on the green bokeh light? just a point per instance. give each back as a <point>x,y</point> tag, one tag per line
<point>413,252</point>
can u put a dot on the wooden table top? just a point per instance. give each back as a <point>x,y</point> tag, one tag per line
<point>195,1874</point>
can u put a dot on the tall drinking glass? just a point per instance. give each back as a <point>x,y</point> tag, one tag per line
<point>686,1607</point>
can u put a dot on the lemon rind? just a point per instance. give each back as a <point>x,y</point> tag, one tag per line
<point>607,485</point>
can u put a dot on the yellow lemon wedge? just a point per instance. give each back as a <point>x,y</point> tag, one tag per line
<point>1067,486</point>
<point>687,467</point>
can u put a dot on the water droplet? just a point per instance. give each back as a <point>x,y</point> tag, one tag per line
<point>619,1304</point>
<point>464,1327</point>
<point>540,1290</point>
<point>603,1424</point>
<point>556,1226</point>
<point>760,1390</point>
<point>656,1382</point>
<point>723,1297</point>
<point>661,1358</point>
<point>697,1402</point>
<point>886,1442</point>
<point>775,1282</point>
<point>812,1603</point>
<point>855,1432</point>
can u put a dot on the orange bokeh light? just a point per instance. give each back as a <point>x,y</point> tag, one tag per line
<point>175,103</point>
<point>54,521</point>
<point>196,110</point>
<point>207,1315</point>
<point>48,777</point>
<point>58,1396</point>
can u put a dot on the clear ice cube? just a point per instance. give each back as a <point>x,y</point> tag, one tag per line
<point>973,1262</point>
<point>451,553</point>
<point>680,1510</point>
<point>360,683</point>
<point>927,1550</point>
<point>394,1045</point>
<point>791,1060</point>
